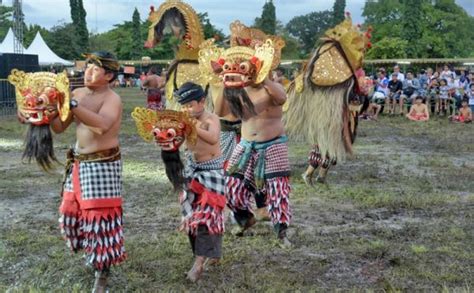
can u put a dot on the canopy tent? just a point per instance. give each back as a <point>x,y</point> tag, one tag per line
<point>45,55</point>
<point>7,44</point>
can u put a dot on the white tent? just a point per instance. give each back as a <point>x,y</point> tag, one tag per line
<point>45,55</point>
<point>7,44</point>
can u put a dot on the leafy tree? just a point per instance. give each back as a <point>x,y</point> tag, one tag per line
<point>309,27</point>
<point>81,36</point>
<point>388,48</point>
<point>431,28</point>
<point>137,41</point>
<point>30,32</point>
<point>338,11</point>
<point>60,40</point>
<point>413,16</point>
<point>5,22</point>
<point>209,30</point>
<point>267,22</point>
<point>291,49</point>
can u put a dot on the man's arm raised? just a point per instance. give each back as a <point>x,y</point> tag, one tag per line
<point>276,91</point>
<point>221,107</point>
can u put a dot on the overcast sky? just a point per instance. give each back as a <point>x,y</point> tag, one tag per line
<point>103,14</point>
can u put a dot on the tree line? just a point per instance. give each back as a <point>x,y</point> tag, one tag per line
<point>402,29</point>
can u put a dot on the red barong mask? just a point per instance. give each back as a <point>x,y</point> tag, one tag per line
<point>39,96</point>
<point>169,129</point>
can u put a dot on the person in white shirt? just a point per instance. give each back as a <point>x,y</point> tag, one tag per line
<point>400,76</point>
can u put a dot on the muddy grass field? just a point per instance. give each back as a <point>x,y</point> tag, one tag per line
<point>397,217</point>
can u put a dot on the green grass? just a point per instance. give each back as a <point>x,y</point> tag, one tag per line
<point>396,218</point>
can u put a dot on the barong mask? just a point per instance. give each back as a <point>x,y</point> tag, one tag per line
<point>39,96</point>
<point>236,68</point>
<point>169,129</point>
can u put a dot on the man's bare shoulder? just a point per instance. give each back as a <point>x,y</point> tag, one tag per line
<point>80,92</point>
<point>213,117</point>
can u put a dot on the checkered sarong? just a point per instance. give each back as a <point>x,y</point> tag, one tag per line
<point>258,161</point>
<point>228,141</point>
<point>264,161</point>
<point>204,207</point>
<point>230,137</point>
<point>316,159</point>
<point>99,180</point>
<point>91,207</point>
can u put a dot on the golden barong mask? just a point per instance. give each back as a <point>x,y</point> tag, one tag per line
<point>238,66</point>
<point>341,54</point>
<point>184,23</point>
<point>168,128</point>
<point>242,35</point>
<point>41,94</point>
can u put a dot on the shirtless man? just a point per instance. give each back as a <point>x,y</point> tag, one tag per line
<point>91,208</point>
<point>230,136</point>
<point>419,111</point>
<point>465,113</point>
<point>260,163</point>
<point>154,84</point>
<point>202,200</point>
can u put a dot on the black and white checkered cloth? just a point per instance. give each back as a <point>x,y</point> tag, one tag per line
<point>99,180</point>
<point>228,143</point>
<point>209,173</point>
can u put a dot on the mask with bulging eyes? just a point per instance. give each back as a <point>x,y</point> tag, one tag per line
<point>169,137</point>
<point>37,108</point>
<point>238,73</point>
<point>41,94</point>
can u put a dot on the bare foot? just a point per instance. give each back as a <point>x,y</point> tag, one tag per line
<point>211,262</point>
<point>262,214</point>
<point>308,180</point>
<point>196,271</point>
<point>239,231</point>
<point>285,243</point>
<point>100,284</point>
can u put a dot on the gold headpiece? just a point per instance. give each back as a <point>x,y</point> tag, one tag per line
<point>331,67</point>
<point>147,120</point>
<point>262,56</point>
<point>242,35</point>
<point>35,83</point>
<point>194,36</point>
<point>104,61</point>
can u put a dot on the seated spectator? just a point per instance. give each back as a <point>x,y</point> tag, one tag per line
<point>469,94</point>
<point>447,73</point>
<point>381,87</point>
<point>443,97</point>
<point>372,112</point>
<point>395,87</point>
<point>432,87</point>
<point>411,87</point>
<point>464,113</point>
<point>455,94</point>
<point>400,76</point>
<point>418,111</point>
<point>423,79</point>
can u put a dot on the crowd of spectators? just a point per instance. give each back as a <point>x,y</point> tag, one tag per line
<point>418,95</point>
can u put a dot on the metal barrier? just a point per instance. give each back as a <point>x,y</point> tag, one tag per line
<point>7,98</point>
